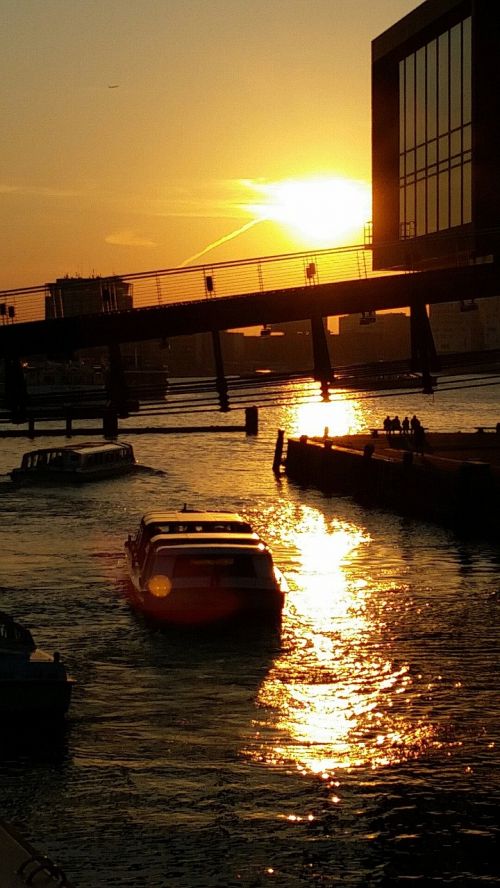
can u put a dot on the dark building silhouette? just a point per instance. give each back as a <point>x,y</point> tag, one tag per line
<point>436,136</point>
<point>387,339</point>
<point>76,296</point>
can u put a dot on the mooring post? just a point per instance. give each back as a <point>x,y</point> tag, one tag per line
<point>278,451</point>
<point>69,424</point>
<point>251,420</point>
<point>110,423</point>
<point>31,427</point>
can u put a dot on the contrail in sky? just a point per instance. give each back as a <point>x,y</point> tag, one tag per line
<point>222,240</point>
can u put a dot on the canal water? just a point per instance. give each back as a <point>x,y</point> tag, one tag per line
<point>359,746</point>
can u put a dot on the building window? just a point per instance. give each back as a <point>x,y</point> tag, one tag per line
<point>435,88</point>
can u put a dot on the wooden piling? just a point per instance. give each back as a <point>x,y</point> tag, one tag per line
<point>278,451</point>
<point>251,420</point>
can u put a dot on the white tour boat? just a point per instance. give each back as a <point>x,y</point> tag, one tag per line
<point>75,463</point>
<point>33,683</point>
<point>199,568</point>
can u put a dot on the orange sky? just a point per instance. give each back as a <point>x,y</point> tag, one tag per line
<point>136,133</point>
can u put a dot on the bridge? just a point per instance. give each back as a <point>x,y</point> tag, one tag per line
<point>211,298</point>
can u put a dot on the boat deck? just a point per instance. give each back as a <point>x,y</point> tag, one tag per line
<point>453,480</point>
<point>452,446</point>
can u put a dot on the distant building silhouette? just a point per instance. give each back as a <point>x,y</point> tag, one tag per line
<point>387,339</point>
<point>69,296</point>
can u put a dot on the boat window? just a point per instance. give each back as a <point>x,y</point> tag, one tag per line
<point>216,566</point>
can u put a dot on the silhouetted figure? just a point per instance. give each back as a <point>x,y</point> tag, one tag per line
<point>414,423</point>
<point>405,425</point>
<point>419,439</point>
<point>387,425</point>
<point>396,424</point>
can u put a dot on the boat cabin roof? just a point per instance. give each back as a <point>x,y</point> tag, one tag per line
<point>13,635</point>
<point>251,540</point>
<point>184,522</point>
<point>85,447</point>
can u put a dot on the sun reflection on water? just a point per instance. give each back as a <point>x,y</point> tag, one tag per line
<point>336,697</point>
<point>340,415</point>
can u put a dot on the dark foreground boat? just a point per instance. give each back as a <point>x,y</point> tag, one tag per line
<point>33,683</point>
<point>21,864</point>
<point>202,568</point>
<point>75,463</point>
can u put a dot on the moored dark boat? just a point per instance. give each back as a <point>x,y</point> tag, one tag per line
<point>33,683</point>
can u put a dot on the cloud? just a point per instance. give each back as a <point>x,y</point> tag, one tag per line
<point>39,191</point>
<point>214,199</point>
<point>128,238</point>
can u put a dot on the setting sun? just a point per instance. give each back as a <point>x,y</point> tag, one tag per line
<point>323,210</point>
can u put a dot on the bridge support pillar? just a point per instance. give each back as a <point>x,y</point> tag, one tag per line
<point>424,358</point>
<point>323,371</point>
<point>16,394</point>
<point>116,386</point>
<point>220,379</point>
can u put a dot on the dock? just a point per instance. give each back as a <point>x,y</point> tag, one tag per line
<point>453,481</point>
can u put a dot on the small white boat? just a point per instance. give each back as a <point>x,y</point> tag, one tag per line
<point>198,568</point>
<point>75,463</point>
<point>33,683</point>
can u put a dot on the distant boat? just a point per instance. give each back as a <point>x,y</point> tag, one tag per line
<point>75,463</point>
<point>32,683</point>
<point>191,568</point>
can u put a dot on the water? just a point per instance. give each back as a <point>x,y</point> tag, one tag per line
<point>358,747</point>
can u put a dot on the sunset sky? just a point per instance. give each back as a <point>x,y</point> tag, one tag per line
<point>136,134</point>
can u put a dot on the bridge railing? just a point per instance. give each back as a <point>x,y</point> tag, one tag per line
<point>207,281</point>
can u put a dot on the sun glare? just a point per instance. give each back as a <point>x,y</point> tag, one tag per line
<point>323,211</point>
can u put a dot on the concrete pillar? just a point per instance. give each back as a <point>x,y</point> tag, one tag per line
<point>321,355</point>
<point>16,395</point>
<point>220,379</point>
<point>117,388</point>
<point>424,358</point>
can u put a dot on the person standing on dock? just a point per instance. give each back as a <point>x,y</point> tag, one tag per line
<point>419,439</point>
<point>405,425</point>
<point>414,423</point>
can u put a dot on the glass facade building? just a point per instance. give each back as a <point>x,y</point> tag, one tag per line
<point>435,135</point>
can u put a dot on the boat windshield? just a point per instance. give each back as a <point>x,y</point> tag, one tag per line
<point>213,566</point>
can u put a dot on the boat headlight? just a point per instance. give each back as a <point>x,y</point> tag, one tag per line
<point>160,586</point>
